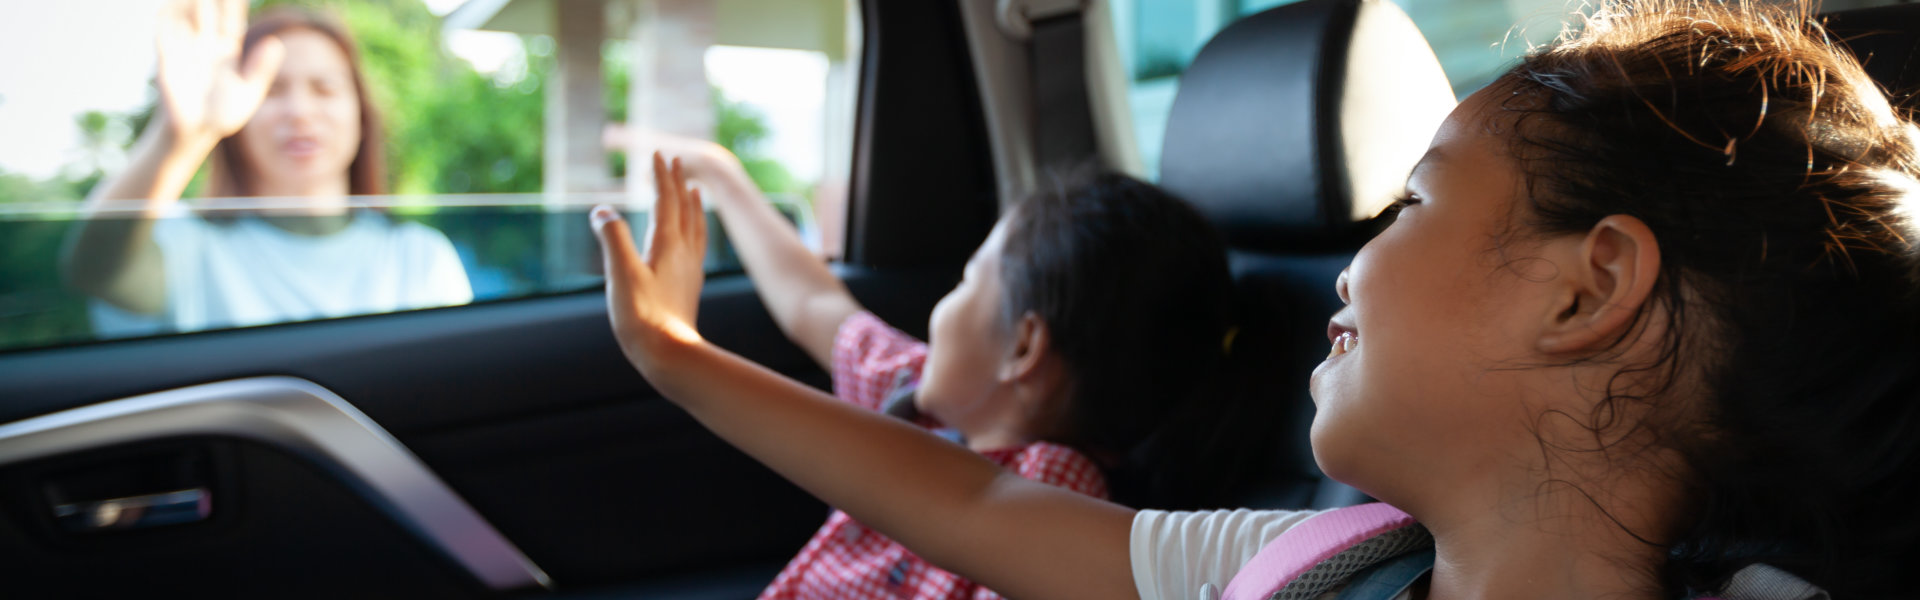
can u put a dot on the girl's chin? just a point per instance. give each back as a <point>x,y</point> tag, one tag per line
<point>1328,453</point>
<point>1327,379</point>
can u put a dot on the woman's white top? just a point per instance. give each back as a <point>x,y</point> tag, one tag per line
<point>1192,555</point>
<point>249,272</point>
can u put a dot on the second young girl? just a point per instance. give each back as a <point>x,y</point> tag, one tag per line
<point>1077,330</point>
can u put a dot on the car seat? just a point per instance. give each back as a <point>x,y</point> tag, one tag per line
<point>1291,129</point>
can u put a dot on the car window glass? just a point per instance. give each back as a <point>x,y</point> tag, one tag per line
<point>405,154</point>
<point>1474,40</point>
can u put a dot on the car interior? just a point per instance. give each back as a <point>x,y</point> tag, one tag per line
<point>508,449</point>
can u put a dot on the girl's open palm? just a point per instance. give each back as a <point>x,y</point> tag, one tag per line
<point>656,299</point>
<point>208,94</point>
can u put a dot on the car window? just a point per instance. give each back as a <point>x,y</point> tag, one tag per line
<point>407,153</point>
<point>1474,40</point>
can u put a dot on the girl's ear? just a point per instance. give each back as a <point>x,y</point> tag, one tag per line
<point>1031,345</point>
<point>1612,279</point>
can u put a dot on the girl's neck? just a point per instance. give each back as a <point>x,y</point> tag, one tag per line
<point>996,439</point>
<point>1012,417</point>
<point>1550,544</point>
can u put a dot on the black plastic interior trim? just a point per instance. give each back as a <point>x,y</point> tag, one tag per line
<point>923,191</point>
<point>1330,75</point>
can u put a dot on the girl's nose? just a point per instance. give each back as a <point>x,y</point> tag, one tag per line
<point>1340,286</point>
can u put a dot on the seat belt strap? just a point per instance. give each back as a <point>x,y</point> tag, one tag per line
<point>1063,117</point>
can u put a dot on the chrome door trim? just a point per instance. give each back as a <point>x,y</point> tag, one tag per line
<point>308,420</point>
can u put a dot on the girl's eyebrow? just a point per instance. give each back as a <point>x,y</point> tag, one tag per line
<point>1434,155</point>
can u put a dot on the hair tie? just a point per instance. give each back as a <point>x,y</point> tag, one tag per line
<point>1226,343</point>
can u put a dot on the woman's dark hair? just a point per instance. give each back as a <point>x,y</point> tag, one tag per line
<point>1780,187</point>
<point>1133,287</point>
<point>367,174</point>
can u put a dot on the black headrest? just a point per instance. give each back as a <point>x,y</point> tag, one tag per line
<point>1295,123</point>
<point>1886,40</point>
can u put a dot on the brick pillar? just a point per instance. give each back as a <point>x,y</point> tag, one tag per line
<point>575,108</point>
<point>574,162</point>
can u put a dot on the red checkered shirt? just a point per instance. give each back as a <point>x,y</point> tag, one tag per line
<point>847,561</point>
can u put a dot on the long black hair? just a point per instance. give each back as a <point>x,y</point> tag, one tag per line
<point>1133,286</point>
<point>1781,188</point>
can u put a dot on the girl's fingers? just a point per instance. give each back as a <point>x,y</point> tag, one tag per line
<point>679,180</point>
<point>621,261</point>
<point>679,216</point>
<point>678,177</point>
<point>696,222</point>
<point>664,208</point>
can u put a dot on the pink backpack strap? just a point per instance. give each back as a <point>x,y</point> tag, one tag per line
<point>1358,536</point>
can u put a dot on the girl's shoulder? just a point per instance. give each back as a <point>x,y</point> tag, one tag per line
<point>1055,464</point>
<point>1194,554</point>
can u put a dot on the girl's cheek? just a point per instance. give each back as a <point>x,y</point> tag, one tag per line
<point>937,321</point>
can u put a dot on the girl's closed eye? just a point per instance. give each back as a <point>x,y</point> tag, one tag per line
<point>1392,212</point>
<point>1400,203</point>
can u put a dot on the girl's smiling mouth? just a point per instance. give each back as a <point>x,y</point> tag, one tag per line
<point>1343,338</point>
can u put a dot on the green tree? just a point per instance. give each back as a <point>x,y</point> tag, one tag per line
<point>102,136</point>
<point>742,129</point>
<point>35,309</point>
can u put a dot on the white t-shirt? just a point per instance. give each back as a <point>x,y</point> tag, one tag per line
<point>249,272</point>
<point>1192,555</point>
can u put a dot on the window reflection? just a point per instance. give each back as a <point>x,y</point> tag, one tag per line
<point>400,154</point>
<point>277,109</point>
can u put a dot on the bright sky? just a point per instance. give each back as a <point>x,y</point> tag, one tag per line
<point>54,72</point>
<point>57,72</point>
<point>789,88</point>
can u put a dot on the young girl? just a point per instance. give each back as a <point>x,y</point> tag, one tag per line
<point>1080,324</point>
<point>1646,320</point>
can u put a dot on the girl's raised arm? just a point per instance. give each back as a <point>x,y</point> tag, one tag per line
<point>806,300</point>
<point>951,506</point>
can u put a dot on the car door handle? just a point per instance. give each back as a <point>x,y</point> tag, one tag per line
<point>135,512</point>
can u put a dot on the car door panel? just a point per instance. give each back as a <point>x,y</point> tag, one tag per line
<point>282,528</point>
<point>525,408</point>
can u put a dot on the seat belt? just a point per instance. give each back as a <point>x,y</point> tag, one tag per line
<point>1062,113</point>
